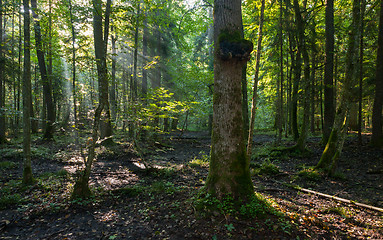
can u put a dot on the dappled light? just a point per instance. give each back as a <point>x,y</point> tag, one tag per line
<point>191,119</point>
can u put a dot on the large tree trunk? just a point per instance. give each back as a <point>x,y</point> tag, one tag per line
<point>27,93</point>
<point>255,86</point>
<point>47,88</point>
<point>330,156</point>
<point>377,134</point>
<point>328,81</point>
<point>229,172</point>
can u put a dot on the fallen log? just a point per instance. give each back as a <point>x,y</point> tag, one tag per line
<point>340,199</point>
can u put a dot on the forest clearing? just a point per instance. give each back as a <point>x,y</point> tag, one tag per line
<point>191,119</point>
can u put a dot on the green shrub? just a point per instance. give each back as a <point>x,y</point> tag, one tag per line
<point>266,168</point>
<point>7,165</point>
<point>9,200</point>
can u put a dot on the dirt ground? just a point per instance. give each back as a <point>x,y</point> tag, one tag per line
<point>131,202</point>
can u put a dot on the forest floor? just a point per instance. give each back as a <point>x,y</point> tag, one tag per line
<point>132,202</point>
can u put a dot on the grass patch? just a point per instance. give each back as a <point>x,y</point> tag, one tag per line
<point>163,187</point>
<point>202,161</point>
<point>167,172</point>
<point>310,175</point>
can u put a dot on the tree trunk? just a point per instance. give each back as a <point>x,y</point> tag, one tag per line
<point>245,109</point>
<point>112,92</point>
<point>330,156</point>
<point>2,72</point>
<point>100,44</point>
<point>47,88</point>
<point>279,102</point>
<point>301,143</point>
<point>361,56</point>
<point>27,93</point>
<point>229,172</point>
<point>73,69</point>
<point>328,80</point>
<point>377,134</point>
<point>81,188</point>
<point>255,86</point>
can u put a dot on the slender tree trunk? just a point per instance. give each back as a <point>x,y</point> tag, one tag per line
<point>255,86</point>
<point>229,172</point>
<point>377,134</point>
<point>81,188</point>
<point>101,40</point>
<point>279,114</point>
<point>27,93</point>
<point>328,80</point>
<point>47,90</point>
<point>2,72</point>
<point>361,55</point>
<point>330,156</point>
<point>301,143</point>
<point>112,92</point>
<point>73,69</point>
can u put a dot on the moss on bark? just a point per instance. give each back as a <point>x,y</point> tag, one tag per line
<point>329,151</point>
<point>28,176</point>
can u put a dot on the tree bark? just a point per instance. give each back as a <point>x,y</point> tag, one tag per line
<point>328,80</point>
<point>330,156</point>
<point>377,134</point>
<point>81,188</point>
<point>2,72</point>
<point>47,88</point>
<point>100,44</point>
<point>301,143</point>
<point>73,68</point>
<point>255,86</point>
<point>229,172</point>
<point>27,93</point>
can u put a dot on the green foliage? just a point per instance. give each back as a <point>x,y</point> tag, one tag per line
<point>10,194</point>
<point>266,168</point>
<point>341,211</point>
<point>163,187</point>
<point>309,174</point>
<point>256,207</point>
<point>9,200</point>
<point>202,161</point>
<point>7,165</point>
<point>166,172</point>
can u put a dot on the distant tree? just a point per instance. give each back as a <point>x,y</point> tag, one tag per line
<point>256,75</point>
<point>328,79</point>
<point>229,172</point>
<point>2,72</point>
<point>377,134</point>
<point>81,188</point>
<point>27,92</point>
<point>330,156</point>
<point>47,87</point>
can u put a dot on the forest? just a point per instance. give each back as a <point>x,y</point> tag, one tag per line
<point>191,119</point>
